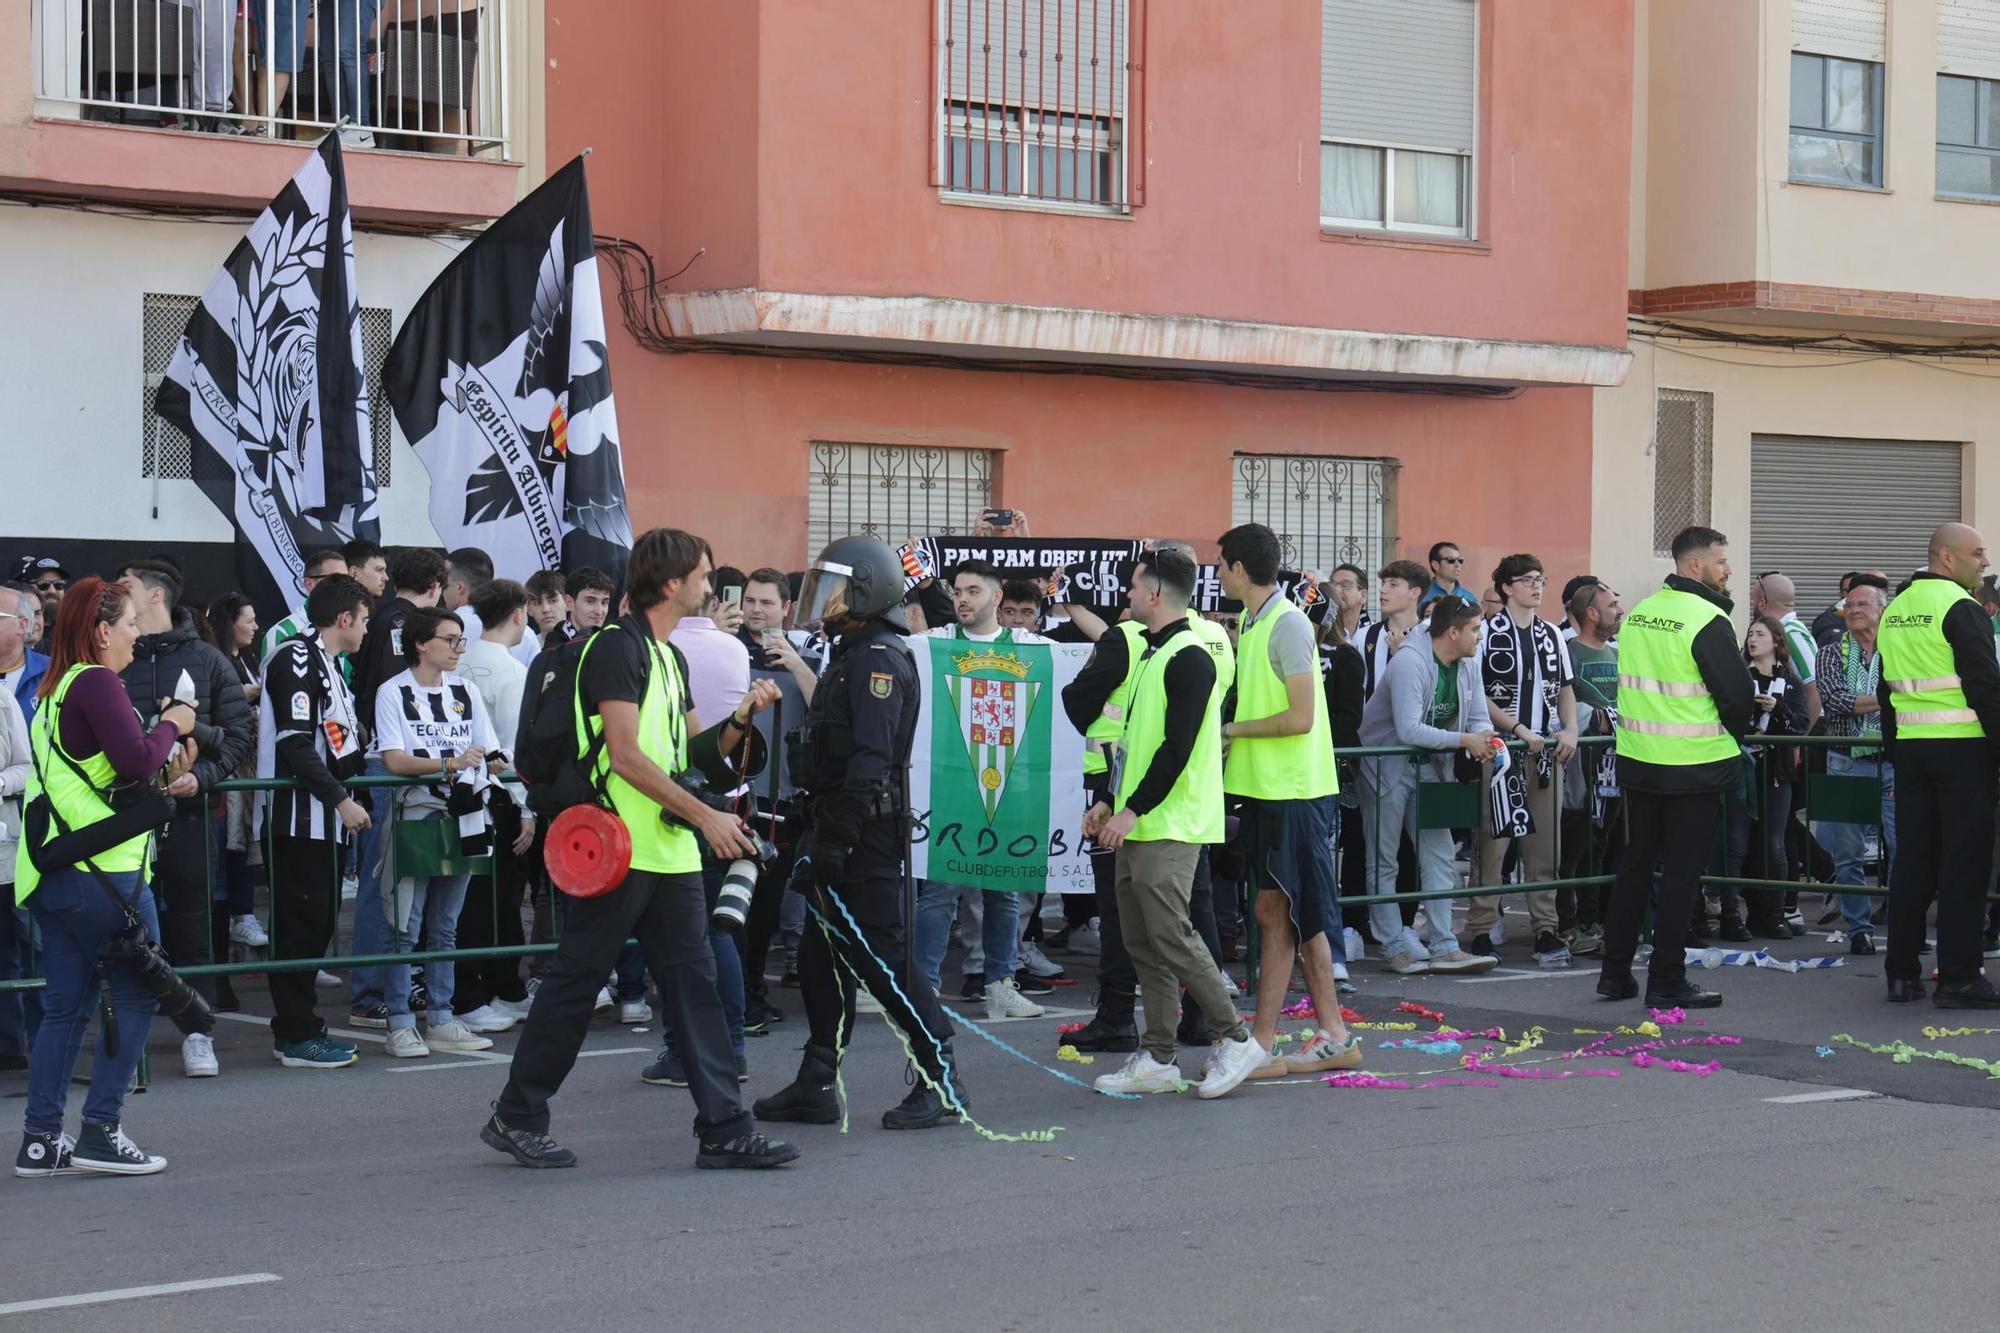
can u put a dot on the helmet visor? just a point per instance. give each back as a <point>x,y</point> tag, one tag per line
<point>824,594</point>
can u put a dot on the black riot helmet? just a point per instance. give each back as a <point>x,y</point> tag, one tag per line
<point>855,578</point>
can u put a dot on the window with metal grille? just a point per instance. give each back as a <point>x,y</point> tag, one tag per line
<point>1326,511</point>
<point>894,491</point>
<point>167,453</point>
<point>1683,463</point>
<point>1032,99</point>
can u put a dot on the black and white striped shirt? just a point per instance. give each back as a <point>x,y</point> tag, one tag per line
<point>307,730</point>
<point>431,721</point>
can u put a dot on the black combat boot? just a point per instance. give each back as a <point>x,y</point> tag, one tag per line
<point>924,1108</point>
<point>809,1097</point>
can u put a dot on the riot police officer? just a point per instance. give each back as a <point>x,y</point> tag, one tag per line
<point>853,752</point>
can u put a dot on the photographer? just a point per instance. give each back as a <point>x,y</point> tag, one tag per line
<point>85,741</point>
<point>634,709</point>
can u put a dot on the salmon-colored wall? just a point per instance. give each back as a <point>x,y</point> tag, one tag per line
<point>720,445</point>
<point>792,138</point>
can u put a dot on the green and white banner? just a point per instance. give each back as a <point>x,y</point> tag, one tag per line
<point>996,775</point>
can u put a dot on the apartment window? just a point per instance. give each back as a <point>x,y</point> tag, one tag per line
<point>1836,134</point>
<point>1032,98</point>
<point>1326,511</point>
<point>1968,137</point>
<point>1683,463</point>
<point>894,491</point>
<point>168,454</point>
<point>1398,93</point>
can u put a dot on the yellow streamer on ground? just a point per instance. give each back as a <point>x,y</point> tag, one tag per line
<point>1073,1055</point>
<point>1528,1042</point>
<point>1902,1053</point>
<point>1384,1027</point>
<point>1935,1033</point>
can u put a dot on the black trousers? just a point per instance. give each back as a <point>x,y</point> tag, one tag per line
<point>1201,907</point>
<point>490,919</point>
<point>305,901</point>
<point>183,884</point>
<point>1117,979</point>
<point>832,955</point>
<point>1676,833</point>
<point>668,915</point>
<point>1945,791</point>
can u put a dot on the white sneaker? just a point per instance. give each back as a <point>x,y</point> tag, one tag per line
<point>455,1036</point>
<point>350,889</point>
<point>1340,972</point>
<point>513,1009</point>
<point>1421,928</point>
<point>1459,962</point>
<point>1004,1000</point>
<point>604,1001</point>
<point>357,138</point>
<point>1036,962</point>
<point>1407,965</point>
<point>246,931</point>
<point>1229,984</point>
<point>635,1011</point>
<point>405,1044</point>
<point>486,1018</point>
<point>1351,944</point>
<point>1084,939</point>
<point>327,981</point>
<point>198,1056</point>
<point>1230,1065</point>
<point>1140,1073</point>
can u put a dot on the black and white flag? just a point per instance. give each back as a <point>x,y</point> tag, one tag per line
<point>502,383</point>
<point>267,382</point>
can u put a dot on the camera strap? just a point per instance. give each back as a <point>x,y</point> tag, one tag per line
<point>63,830</point>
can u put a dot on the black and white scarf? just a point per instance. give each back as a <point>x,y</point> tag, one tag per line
<point>1523,669</point>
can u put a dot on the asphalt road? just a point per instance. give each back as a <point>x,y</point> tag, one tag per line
<point>362,1198</point>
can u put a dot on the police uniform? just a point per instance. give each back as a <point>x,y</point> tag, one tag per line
<point>1940,701</point>
<point>1684,704</point>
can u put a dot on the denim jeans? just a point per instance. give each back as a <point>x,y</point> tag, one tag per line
<point>631,970</point>
<point>1389,810</point>
<point>438,903</point>
<point>340,24</point>
<point>1845,841</point>
<point>999,917</point>
<point>728,964</point>
<point>76,917</point>
<point>371,921</point>
<point>20,1011</point>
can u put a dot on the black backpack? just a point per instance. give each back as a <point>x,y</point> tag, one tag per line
<point>546,740</point>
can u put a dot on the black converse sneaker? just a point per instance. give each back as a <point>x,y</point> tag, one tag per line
<point>105,1148</point>
<point>525,1146</point>
<point>752,1150</point>
<point>44,1155</point>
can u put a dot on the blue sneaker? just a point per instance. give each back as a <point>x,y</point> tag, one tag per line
<point>321,1052</point>
<point>343,1042</point>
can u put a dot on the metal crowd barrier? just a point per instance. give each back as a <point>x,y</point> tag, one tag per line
<point>1441,805</point>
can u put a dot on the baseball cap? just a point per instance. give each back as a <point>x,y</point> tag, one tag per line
<point>33,566</point>
<point>1569,589</point>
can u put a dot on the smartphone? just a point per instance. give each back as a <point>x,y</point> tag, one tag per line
<point>733,594</point>
<point>1000,518</point>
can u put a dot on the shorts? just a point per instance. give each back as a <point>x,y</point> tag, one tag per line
<point>1286,844</point>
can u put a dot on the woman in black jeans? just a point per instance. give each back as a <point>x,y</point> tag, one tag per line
<point>1764,798</point>
<point>232,628</point>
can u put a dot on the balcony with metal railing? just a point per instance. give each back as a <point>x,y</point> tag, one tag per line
<point>162,100</point>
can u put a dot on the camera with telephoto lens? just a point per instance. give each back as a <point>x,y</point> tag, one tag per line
<point>179,1002</point>
<point>732,902</point>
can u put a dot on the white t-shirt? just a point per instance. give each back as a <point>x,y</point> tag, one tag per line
<point>431,721</point>
<point>499,677</point>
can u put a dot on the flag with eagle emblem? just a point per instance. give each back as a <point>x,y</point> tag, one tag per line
<point>501,381</point>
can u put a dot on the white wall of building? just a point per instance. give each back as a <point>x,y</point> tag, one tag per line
<point>72,289</point>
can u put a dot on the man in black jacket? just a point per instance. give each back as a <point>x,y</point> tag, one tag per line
<point>418,575</point>
<point>1673,790</point>
<point>170,664</point>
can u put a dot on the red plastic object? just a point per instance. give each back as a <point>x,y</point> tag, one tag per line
<point>589,851</point>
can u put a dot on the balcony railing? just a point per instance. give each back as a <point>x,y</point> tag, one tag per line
<point>421,75</point>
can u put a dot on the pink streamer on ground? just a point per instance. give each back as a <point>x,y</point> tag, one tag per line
<point>1302,1009</point>
<point>1645,1061</point>
<point>1596,1048</point>
<point>1351,1080</point>
<point>1668,1017</point>
<point>1478,1065</point>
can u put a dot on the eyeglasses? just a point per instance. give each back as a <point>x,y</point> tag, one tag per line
<point>450,640</point>
<point>50,585</point>
<point>1451,560</point>
<point>1532,580</point>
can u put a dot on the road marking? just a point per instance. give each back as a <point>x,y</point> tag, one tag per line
<point>481,1059</point>
<point>379,1038</point>
<point>1823,1095</point>
<point>139,1293</point>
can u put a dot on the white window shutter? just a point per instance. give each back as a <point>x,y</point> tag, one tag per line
<point>1399,72</point>
<point>1849,29</point>
<point>1968,38</point>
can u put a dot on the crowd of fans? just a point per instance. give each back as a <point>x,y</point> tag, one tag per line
<point>415,664</point>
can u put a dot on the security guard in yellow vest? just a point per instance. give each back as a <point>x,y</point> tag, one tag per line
<point>1164,806</point>
<point>1684,703</point>
<point>1280,765</point>
<point>634,743</point>
<point>1940,699</point>
<point>1096,702</point>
